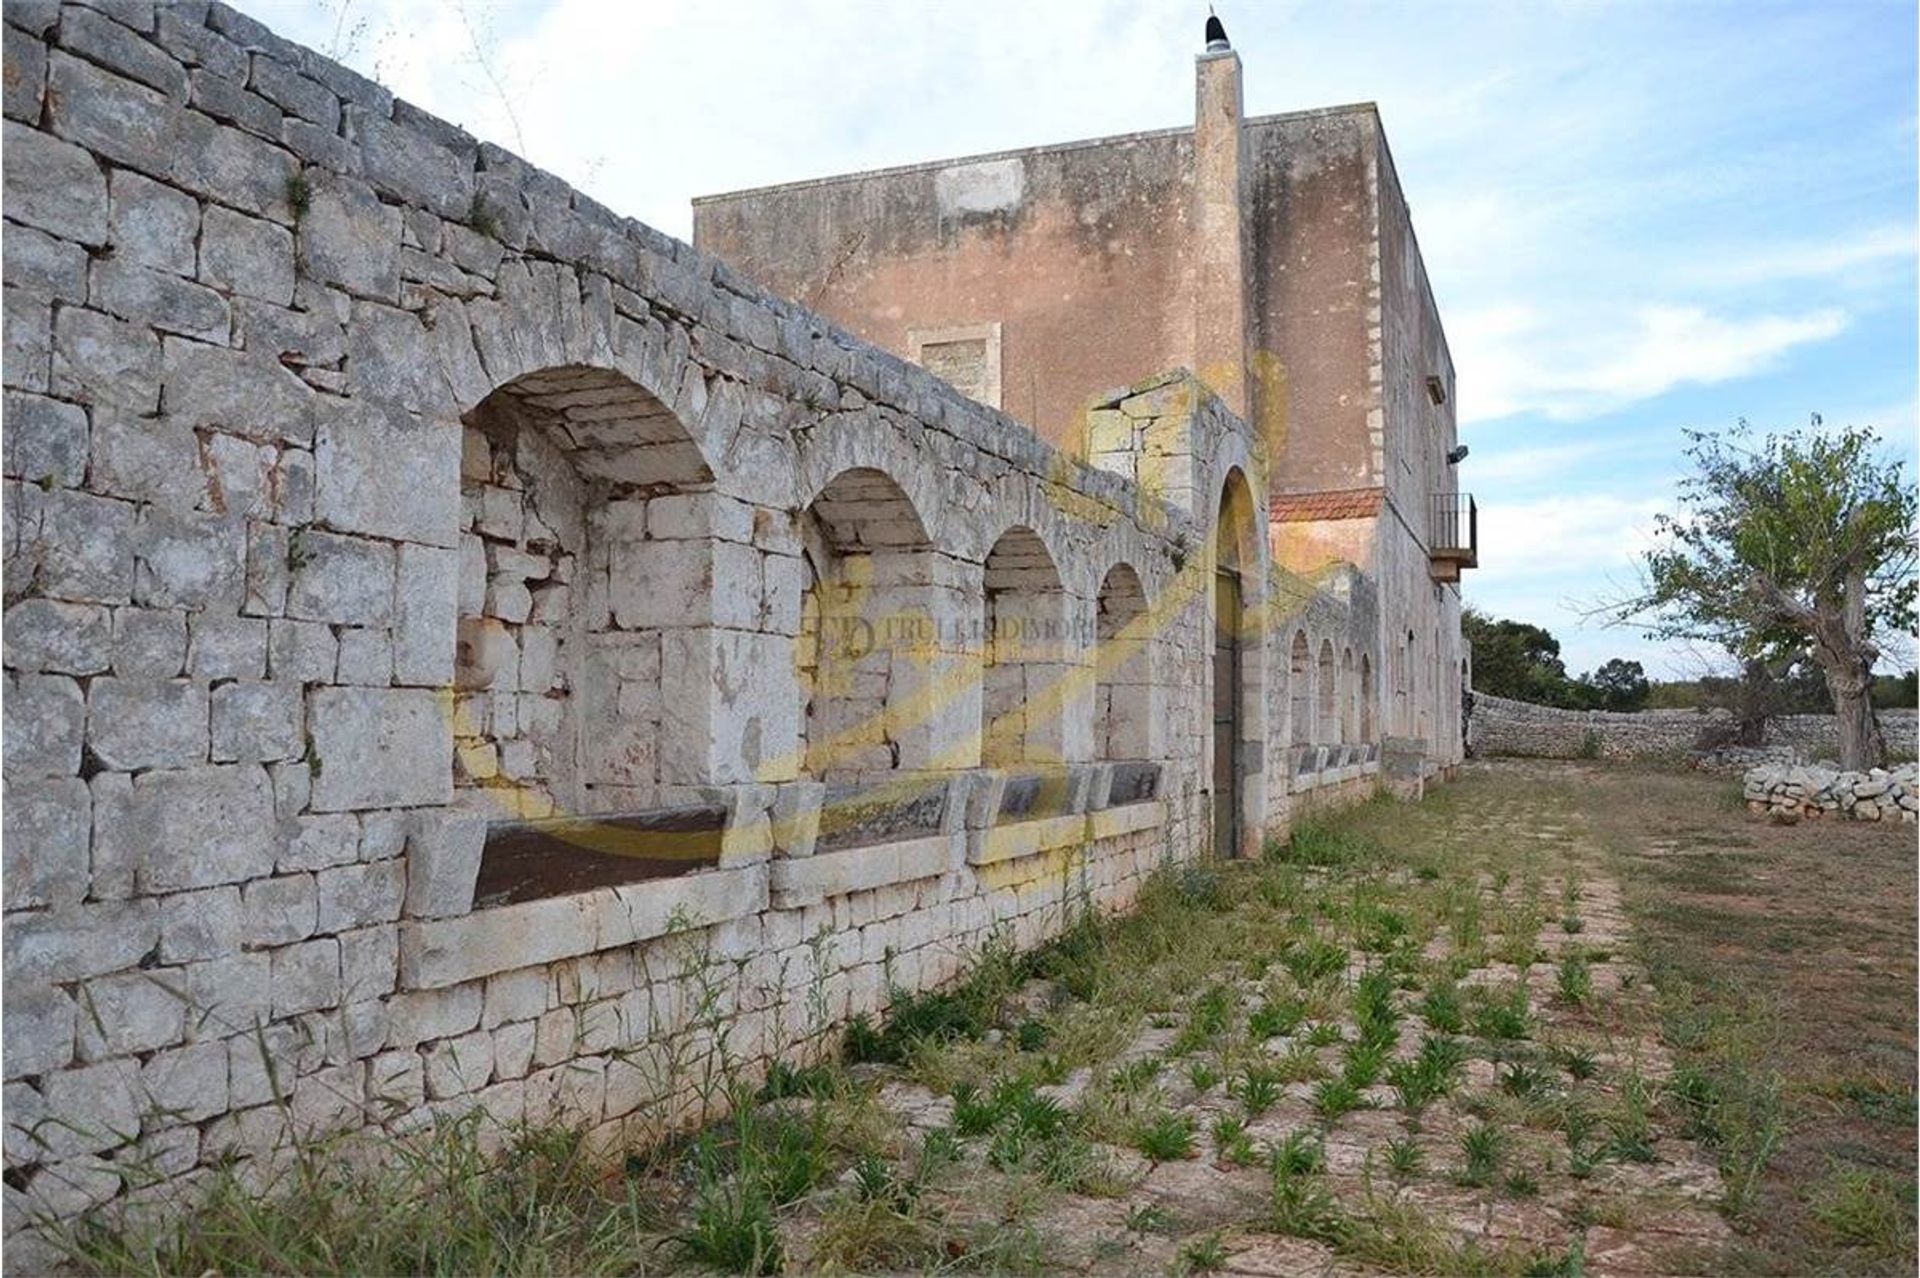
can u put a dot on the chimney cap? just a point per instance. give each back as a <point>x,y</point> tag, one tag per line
<point>1216,33</point>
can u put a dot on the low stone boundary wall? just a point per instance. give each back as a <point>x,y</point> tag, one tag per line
<point>1502,726</point>
<point>1795,792</point>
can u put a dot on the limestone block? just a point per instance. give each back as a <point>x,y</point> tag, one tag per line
<point>91,1109</point>
<point>421,1015</point>
<point>796,817</point>
<point>396,1083</point>
<point>513,1049</point>
<point>185,1084</point>
<point>350,239</point>
<point>341,579</point>
<point>98,359</point>
<point>153,224</point>
<point>387,473</point>
<point>460,1065</point>
<point>146,459</point>
<point>47,841</point>
<point>833,874</point>
<point>366,657</point>
<point>58,638</point>
<point>446,951</point>
<point>25,78</point>
<point>166,302</point>
<point>246,393</point>
<point>41,267</point>
<point>249,255</point>
<point>44,439</point>
<point>380,747</point>
<point>138,723</point>
<point>320,842</point>
<point>256,722</point>
<point>28,334</point>
<point>131,1012</point>
<point>518,995</point>
<point>352,896</point>
<point>412,165</point>
<point>148,643</point>
<point>205,826</point>
<point>230,994</point>
<point>301,651</point>
<point>370,964</point>
<point>41,1021</point>
<point>279,910</point>
<point>102,40</point>
<point>118,840</point>
<point>306,977</point>
<point>45,723</point>
<point>424,615</point>
<point>200,925</point>
<point>54,185</point>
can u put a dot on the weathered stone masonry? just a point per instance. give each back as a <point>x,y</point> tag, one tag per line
<point>367,487</point>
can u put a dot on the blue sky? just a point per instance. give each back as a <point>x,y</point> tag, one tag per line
<point>1638,218</point>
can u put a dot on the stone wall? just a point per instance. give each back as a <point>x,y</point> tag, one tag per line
<point>369,493</point>
<point>1501,726</point>
<point>1790,793</point>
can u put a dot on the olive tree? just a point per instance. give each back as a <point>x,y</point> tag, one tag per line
<point>1798,546</point>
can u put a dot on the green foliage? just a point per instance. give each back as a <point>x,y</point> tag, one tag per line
<point>1481,1146</point>
<point>1404,1156</point>
<point>1333,1097</point>
<point>1274,1018</point>
<point>1441,1009</point>
<point>1204,1255</point>
<point>1258,1087</point>
<point>1165,1137</point>
<point>1800,544</point>
<point>1575,980</point>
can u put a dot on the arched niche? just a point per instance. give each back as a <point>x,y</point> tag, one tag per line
<point>1026,653</point>
<point>1126,697</point>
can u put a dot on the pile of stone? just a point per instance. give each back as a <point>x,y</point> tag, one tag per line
<point>1792,791</point>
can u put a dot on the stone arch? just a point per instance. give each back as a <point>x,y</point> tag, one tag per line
<point>1328,679</point>
<point>584,568</point>
<point>1366,699</point>
<point>1349,698</point>
<point>865,626</point>
<point>1300,686</point>
<point>1125,694</point>
<point>1025,652</point>
<point>869,441</point>
<point>1237,744</point>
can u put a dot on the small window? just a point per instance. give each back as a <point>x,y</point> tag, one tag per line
<point>966,357</point>
<point>1436,388</point>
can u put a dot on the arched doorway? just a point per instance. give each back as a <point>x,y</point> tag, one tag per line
<point>1236,745</point>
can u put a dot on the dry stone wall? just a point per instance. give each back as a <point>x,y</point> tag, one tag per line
<point>366,487</point>
<point>1791,792</point>
<point>1501,726</point>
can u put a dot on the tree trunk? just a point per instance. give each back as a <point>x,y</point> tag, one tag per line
<point>1861,744</point>
<point>1846,658</point>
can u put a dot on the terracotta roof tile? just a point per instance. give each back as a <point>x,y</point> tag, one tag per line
<point>1350,503</point>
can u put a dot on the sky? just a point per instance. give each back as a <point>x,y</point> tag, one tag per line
<point>1638,218</point>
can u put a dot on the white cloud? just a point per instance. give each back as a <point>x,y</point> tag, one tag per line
<point>1875,248</point>
<point>1588,535</point>
<point>1570,363</point>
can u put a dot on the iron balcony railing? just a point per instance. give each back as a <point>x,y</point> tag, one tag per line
<point>1455,531</point>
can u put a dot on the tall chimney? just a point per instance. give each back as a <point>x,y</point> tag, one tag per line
<point>1219,223</point>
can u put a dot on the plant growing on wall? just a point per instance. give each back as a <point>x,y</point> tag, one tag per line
<point>1801,543</point>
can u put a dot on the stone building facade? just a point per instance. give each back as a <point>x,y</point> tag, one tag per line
<point>1273,255</point>
<point>465,650</point>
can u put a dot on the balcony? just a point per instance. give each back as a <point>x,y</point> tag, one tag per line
<point>1453,541</point>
